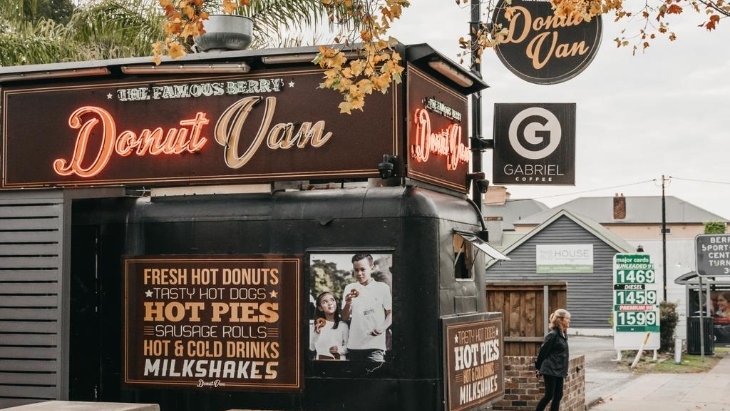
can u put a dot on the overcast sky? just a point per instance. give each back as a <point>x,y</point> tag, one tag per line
<point>661,112</point>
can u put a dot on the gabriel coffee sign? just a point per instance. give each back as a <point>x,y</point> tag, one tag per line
<point>542,48</point>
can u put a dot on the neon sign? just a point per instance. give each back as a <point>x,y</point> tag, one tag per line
<point>180,130</point>
<point>445,142</point>
<point>153,142</point>
<point>186,139</point>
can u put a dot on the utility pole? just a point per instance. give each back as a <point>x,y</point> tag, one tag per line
<point>664,239</point>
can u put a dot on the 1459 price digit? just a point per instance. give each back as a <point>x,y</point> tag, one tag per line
<point>637,318</point>
<point>635,277</point>
<point>636,297</point>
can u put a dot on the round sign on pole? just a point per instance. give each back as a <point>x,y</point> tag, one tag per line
<point>542,48</point>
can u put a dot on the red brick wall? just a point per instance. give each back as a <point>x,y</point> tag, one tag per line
<point>523,389</point>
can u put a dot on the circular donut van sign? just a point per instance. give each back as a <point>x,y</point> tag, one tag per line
<point>542,48</point>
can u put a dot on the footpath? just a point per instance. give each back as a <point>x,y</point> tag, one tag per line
<point>611,390</point>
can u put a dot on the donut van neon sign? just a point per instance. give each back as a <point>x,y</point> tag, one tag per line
<point>190,130</point>
<point>186,139</point>
<point>437,146</point>
<point>446,141</point>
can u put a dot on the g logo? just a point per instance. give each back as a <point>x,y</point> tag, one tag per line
<point>535,133</point>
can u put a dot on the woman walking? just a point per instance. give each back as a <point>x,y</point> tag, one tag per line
<point>552,360</point>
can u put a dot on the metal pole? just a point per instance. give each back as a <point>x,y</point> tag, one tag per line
<point>476,102</point>
<point>546,308</point>
<point>702,324</point>
<point>664,241</point>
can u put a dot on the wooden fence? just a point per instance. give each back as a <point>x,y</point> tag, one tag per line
<point>525,312</point>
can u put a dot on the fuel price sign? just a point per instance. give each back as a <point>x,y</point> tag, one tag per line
<point>635,301</point>
<point>633,297</point>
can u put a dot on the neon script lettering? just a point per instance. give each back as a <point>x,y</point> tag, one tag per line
<point>446,142</point>
<point>228,132</point>
<point>92,121</point>
<point>89,119</point>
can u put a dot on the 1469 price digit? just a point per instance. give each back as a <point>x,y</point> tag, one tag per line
<point>637,318</point>
<point>635,277</point>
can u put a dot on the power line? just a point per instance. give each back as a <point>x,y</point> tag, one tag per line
<point>622,186</point>
<point>701,181</point>
<point>596,189</point>
<point>577,192</point>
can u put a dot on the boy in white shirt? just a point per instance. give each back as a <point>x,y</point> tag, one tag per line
<point>368,305</point>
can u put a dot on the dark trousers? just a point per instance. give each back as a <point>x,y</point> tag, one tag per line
<point>366,355</point>
<point>553,392</point>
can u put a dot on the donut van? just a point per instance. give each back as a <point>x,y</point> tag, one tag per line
<point>212,234</point>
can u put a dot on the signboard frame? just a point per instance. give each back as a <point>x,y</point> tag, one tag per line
<point>192,129</point>
<point>633,275</point>
<point>564,258</point>
<point>548,53</point>
<point>438,147</point>
<point>480,380</point>
<point>713,255</point>
<point>177,308</point>
<point>534,143</point>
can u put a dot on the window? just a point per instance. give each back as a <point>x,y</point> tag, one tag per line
<point>466,245</point>
<point>481,245</point>
<point>463,258</point>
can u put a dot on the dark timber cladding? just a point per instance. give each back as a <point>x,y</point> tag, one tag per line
<point>30,298</point>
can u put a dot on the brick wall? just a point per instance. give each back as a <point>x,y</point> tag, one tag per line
<point>522,389</point>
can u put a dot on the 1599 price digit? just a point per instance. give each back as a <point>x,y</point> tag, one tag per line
<point>638,318</point>
<point>635,277</point>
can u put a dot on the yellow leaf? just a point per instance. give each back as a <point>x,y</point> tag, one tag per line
<point>229,6</point>
<point>345,107</point>
<point>357,104</point>
<point>365,86</point>
<point>175,49</point>
<point>382,82</point>
<point>357,67</point>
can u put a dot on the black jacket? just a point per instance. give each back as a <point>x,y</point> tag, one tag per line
<point>554,354</point>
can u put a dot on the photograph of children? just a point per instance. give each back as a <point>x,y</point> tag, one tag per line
<point>353,307</point>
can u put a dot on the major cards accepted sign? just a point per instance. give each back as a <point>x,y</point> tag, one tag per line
<point>635,302</point>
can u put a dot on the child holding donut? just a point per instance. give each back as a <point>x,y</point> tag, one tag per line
<point>330,333</point>
<point>368,305</point>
